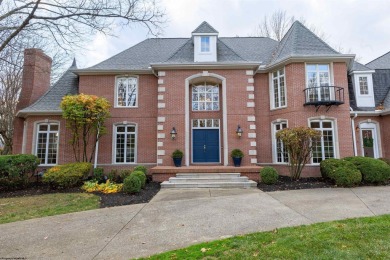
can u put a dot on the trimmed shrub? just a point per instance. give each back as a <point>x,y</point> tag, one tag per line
<point>15,170</point>
<point>67,175</point>
<point>123,174</point>
<point>98,174</point>
<point>385,160</point>
<point>141,168</point>
<point>341,172</point>
<point>141,176</point>
<point>269,175</point>
<point>373,170</point>
<point>132,184</point>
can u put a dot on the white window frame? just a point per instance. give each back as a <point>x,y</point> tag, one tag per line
<point>280,89</point>
<point>321,129</point>
<point>207,47</point>
<point>274,140</point>
<point>114,142</point>
<point>116,91</point>
<point>318,84</point>
<point>360,86</point>
<point>36,140</point>
<point>199,102</point>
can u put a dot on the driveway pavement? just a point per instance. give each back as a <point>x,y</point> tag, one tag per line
<point>178,218</point>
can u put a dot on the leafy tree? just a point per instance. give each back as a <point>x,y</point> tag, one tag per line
<point>85,116</point>
<point>298,143</point>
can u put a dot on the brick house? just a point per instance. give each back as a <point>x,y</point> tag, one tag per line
<point>206,88</point>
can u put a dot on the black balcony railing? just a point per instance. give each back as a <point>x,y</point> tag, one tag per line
<point>324,96</point>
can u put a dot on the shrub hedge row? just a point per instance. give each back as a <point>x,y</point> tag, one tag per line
<point>67,175</point>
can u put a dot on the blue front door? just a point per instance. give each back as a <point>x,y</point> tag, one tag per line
<point>205,146</point>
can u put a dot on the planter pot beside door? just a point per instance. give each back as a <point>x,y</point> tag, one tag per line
<point>177,161</point>
<point>237,161</point>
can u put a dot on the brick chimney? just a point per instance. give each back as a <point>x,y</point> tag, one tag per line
<point>35,82</point>
<point>36,77</point>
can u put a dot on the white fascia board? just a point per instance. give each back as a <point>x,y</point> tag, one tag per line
<point>38,113</point>
<point>205,65</point>
<point>362,72</point>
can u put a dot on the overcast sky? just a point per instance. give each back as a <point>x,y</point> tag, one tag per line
<point>362,27</point>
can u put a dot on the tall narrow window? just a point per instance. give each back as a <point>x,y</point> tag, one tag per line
<point>281,154</point>
<point>278,89</point>
<point>205,44</point>
<point>127,91</point>
<point>205,97</point>
<point>324,147</point>
<point>125,143</point>
<point>47,143</point>
<point>363,84</point>
<point>318,82</point>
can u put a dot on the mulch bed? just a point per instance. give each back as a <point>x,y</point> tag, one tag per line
<point>106,200</point>
<point>285,183</point>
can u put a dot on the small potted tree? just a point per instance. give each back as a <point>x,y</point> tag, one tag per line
<point>237,155</point>
<point>177,156</point>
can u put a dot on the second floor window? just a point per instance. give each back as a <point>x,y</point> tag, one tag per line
<point>363,84</point>
<point>278,89</point>
<point>205,97</point>
<point>318,82</point>
<point>127,91</point>
<point>205,44</point>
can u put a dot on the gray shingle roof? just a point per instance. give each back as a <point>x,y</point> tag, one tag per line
<point>205,28</point>
<point>300,41</point>
<point>381,82</point>
<point>359,67</point>
<point>50,101</point>
<point>382,62</point>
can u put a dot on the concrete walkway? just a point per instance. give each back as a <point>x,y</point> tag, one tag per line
<point>178,218</point>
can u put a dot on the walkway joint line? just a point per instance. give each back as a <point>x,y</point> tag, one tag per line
<point>120,231</point>
<point>362,202</point>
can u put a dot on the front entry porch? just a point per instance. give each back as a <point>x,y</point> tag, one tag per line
<point>163,173</point>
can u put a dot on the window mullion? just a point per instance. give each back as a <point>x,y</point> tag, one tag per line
<point>47,145</point>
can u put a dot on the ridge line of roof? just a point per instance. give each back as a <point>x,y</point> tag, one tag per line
<point>377,58</point>
<point>178,49</point>
<point>232,50</point>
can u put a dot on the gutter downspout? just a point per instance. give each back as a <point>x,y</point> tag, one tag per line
<point>353,133</point>
<point>96,148</point>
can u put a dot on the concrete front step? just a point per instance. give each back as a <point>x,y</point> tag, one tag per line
<point>195,184</point>
<point>208,175</point>
<point>203,179</point>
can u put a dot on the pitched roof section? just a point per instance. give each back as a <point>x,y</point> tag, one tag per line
<point>205,28</point>
<point>300,41</point>
<point>141,55</point>
<point>382,62</point>
<point>359,67</point>
<point>50,101</point>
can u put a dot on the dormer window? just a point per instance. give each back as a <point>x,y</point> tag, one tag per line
<point>205,44</point>
<point>363,84</point>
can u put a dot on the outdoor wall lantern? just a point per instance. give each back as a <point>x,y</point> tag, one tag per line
<point>173,133</point>
<point>239,131</point>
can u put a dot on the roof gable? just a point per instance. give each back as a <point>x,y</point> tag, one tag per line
<point>382,62</point>
<point>359,67</point>
<point>300,41</point>
<point>204,27</point>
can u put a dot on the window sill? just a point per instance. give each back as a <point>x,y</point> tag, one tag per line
<point>125,107</point>
<point>277,108</point>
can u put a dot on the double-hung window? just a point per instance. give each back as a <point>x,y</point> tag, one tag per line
<point>278,89</point>
<point>318,82</point>
<point>127,91</point>
<point>363,85</point>
<point>280,154</point>
<point>125,144</point>
<point>324,147</point>
<point>46,148</point>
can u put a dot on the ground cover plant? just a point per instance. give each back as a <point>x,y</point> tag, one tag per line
<point>23,208</point>
<point>361,238</point>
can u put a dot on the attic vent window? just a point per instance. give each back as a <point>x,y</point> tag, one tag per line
<point>205,44</point>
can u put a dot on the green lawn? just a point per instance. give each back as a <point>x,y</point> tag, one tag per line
<point>361,238</point>
<point>22,208</point>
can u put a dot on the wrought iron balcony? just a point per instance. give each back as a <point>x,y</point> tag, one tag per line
<point>324,96</point>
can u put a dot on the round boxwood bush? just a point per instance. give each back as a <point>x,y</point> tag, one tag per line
<point>132,184</point>
<point>341,172</point>
<point>373,170</point>
<point>67,175</point>
<point>141,168</point>
<point>141,176</point>
<point>269,175</point>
